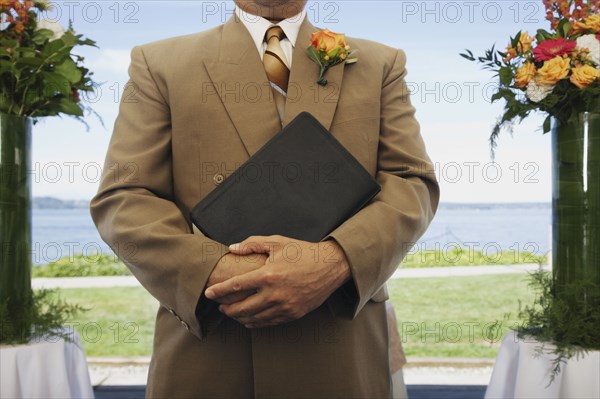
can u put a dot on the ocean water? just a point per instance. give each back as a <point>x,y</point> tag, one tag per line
<point>489,228</point>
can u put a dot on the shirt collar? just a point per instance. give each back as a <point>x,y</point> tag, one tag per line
<point>257,26</point>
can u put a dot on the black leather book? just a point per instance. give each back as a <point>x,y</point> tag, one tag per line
<point>302,184</point>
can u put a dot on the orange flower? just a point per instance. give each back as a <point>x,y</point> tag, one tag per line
<point>525,74</point>
<point>522,47</point>
<point>583,75</point>
<point>327,49</point>
<point>327,40</point>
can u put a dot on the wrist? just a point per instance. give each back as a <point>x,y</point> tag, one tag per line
<point>341,264</point>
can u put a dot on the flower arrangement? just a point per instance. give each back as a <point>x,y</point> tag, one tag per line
<point>555,72</point>
<point>328,49</point>
<point>39,75</point>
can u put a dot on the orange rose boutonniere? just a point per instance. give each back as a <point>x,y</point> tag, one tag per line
<point>327,49</point>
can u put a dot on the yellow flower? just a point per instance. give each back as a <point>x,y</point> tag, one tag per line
<point>583,75</point>
<point>524,45</point>
<point>525,74</point>
<point>590,23</point>
<point>553,70</point>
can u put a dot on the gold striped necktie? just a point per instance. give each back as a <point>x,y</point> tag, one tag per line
<point>276,66</point>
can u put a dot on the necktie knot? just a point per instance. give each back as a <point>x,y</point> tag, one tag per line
<point>274,31</point>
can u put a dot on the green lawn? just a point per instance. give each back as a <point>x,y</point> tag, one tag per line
<point>119,322</point>
<point>438,317</point>
<point>449,317</point>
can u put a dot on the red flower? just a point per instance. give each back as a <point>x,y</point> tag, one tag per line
<point>551,48</point>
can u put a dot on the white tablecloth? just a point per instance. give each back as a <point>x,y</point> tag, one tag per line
<point>45,368</point>
<point>520,373</point>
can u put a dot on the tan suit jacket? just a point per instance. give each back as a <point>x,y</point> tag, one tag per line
<point>195,109</point>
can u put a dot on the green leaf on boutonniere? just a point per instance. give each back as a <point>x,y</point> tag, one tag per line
<point>312,53</point>
<point>351,60</point>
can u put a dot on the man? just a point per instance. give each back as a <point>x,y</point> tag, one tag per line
<point>253,320</point>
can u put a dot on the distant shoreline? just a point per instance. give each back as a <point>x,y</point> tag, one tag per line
<point>57,203</point>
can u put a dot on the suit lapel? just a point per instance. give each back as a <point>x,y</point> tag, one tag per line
<point>241,82</point>
<point>304,94</point>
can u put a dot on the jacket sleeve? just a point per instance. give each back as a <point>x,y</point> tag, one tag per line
<point>134,209</point>
<point>376,239</point>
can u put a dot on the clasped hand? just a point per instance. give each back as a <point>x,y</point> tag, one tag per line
<point>266,281</point>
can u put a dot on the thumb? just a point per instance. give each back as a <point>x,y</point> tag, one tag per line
<point>252,244</point>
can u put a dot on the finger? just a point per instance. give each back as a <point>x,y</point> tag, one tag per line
<point>254,244</point>
<point>261,318</point>
<point>233,298</point>
<point>243,282</point>
<point>250,306</point>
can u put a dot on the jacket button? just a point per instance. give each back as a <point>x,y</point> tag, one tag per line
<point>218,178</point>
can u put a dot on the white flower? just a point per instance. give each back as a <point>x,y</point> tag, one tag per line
<point>591,43</point>
<point>54,26</point>
<point>537,93</point>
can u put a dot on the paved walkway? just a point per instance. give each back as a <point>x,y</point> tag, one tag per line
<point>414,392</point>
<point>430,272</point>
<point>418,371</point>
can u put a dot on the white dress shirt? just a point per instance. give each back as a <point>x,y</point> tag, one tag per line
<point>257,26</point>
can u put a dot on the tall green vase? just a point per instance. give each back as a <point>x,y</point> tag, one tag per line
<point>15,230</point>
<point>576,209</point>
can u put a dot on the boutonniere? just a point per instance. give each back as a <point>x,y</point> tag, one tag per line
<point>327,49</point>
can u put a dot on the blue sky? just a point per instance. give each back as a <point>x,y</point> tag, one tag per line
<point>451,94</point>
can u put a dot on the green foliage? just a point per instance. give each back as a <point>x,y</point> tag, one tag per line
<point>47,314</point>
<point>39,73</point>
<point>468,257</point>
<point>83,266</point>
<point>567,317</point>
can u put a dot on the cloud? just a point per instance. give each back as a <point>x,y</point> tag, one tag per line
<point>109,61</point>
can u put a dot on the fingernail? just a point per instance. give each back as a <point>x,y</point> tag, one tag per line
<point>209,293</point>
<point>234,247</point>
<point>221,308</point>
